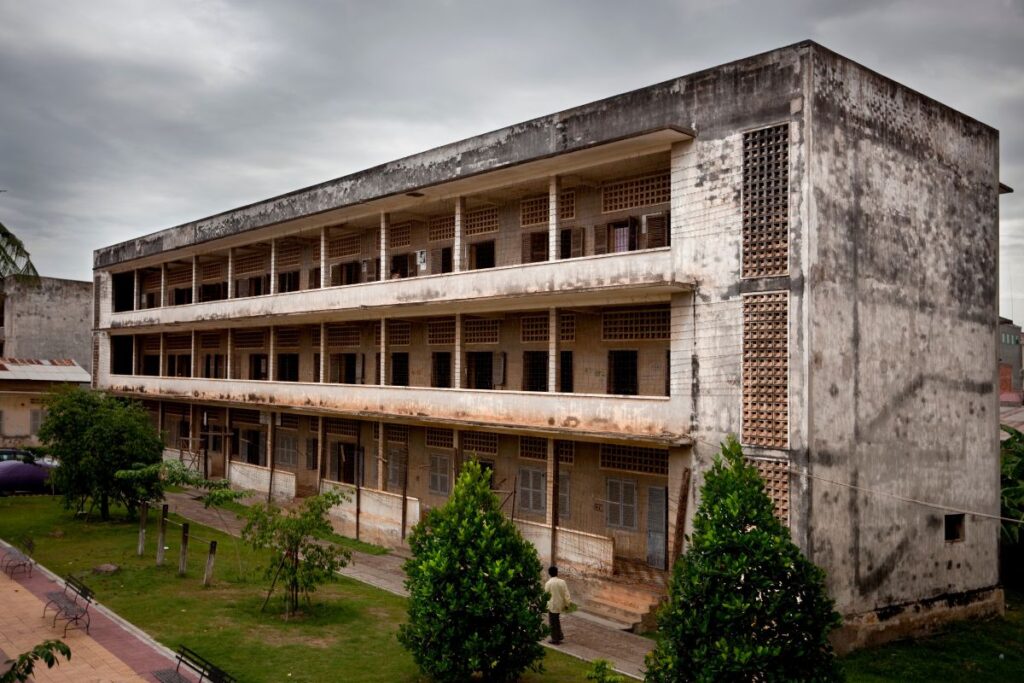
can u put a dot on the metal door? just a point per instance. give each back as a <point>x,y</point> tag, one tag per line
<point>657,526</point>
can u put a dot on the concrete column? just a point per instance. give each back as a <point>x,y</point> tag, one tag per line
<point>163,361</point>
<point>549,514</point>
<point>324,364</point>
<point>136,294</point>
<point>681,347</point>
<point>160,419</point>
<point>231,352</point>
<point>195,278</point>
<point>382,463</point>
<point>271,437</point>
<point>383,352</point>
<point>271,355</point>
<point>552,349</point>
<point>325,277</point>
<point>273,266</point>
<point>552,493</point>
<point>554,198</point>
<point>457,360</point>
<point>385,265</point>
<point>231,273</point>
<point>163,285</point>
<point>135,352</point>
<point>460,213</point>
<point>194,355</point>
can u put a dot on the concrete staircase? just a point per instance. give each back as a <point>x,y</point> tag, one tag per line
<point>628,600</point>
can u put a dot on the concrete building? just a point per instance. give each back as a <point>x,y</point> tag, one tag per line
<point>590,302</point>
<point>24,384</point>
<point>50,318</point>
<point>1010,363</point>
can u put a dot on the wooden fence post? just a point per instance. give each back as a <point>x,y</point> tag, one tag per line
<point>161,540</point>
<point>208,575</point>
<point>183,555</point>
<point>143,518</point>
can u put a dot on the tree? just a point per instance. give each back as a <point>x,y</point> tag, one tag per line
<point>22,667</point>
<point>96,435</point>
<point>14,258</point>
<point>298,557</point>
<point>744,603</point>
<point>1012,484</point>
<point>475,596</point>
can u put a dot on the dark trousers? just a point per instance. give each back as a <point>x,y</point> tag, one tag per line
<point>555,620</point>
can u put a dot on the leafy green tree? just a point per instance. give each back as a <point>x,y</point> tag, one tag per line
<point>96,435</point>
<point>22,667</point>
<point>298,558</point>
<point>744,603</point>
<point>475,596</point>
<point>1012,480</point>
<point>14,258</point>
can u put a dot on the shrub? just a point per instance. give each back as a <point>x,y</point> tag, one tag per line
<point>744,603</point>
<point>475,596</point>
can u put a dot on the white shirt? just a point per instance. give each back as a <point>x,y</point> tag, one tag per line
<point>559,591</point>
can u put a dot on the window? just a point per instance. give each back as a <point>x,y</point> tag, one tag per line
<point>35,420</point>
<point>345,273</point>
<point>150,299</point>
<point>481,255</point>
<point>396,467</point>
<point>440,478</point>
<point>565,373</point>
<point>563,495</point>
<point>480,369</point>
<point>313,281</point>
<point>213,292</point>
<point>400,369</point>
<point>287,367</point>
<point>535,247</point>
<point>312,450</point>
<point>213,366</point>
<point>345,368</point>
<point>532,490</point>
<point>287,451</point>
<point>121,350</point>
<point>621,501</point>
<point>954,528</point>
<point>151,365</point>
<point>123,285</point>
<point>447,265</point>
<point>766,202</point>
<point>623,236</point>
<point>182,295</point>
<point>441,369</point>
<point>622,373</point>
<point>258,366</point>
<point>535,370</point>
<point>288,282</point>
<point>179,365</point>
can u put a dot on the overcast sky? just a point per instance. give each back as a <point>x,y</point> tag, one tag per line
<point>122,117</point>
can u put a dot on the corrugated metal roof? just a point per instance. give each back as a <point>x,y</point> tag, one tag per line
<point>43,370</point>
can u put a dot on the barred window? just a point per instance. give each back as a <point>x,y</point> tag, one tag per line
<point>766,369</point>
<point>343,335</point>
<point>289,421</point>
<point>533,448</point>
<point>566,451</point>
<point>179,276</point>
<point>287,336</point>
<point>440,438</point>
<point>400,235</point>
<point>178,342</point>
<point>479,442</point>
<point>253,263</point>
<point>481,331</point>
<point>345,245</point>
<point>534,328</point>
<point>634,459</point>
<point>481,222</point>
<point>396,433</point>
<point>649,324</point>
<point>399,332</point>
<point>288,255</point>
<point>536,210</point>
<point>212,271</point>
<point>441,228</point>
<point>636,192</point>
<point>766,202</point>
<point>250,339</point>
<point>441,331</point>
<point>567,327</point>
<point>340,427</point>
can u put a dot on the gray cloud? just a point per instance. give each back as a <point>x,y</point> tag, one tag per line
<point>121,117</point>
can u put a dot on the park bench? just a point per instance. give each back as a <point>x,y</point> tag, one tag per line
<point>71,604</point>
<point>14,561</point>
<point>193,660</point>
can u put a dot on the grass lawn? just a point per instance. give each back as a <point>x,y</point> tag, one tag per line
<point>347,634</point>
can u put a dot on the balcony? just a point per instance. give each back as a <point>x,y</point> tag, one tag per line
<point>579,416</point>
<point>608,279</point>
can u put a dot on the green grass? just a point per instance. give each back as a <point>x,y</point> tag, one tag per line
<point>990,650</point>
<point>347,634</point>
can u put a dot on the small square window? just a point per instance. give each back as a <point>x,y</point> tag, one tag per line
<point>955,528</point>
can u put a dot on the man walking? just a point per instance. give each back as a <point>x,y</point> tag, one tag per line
<point>558,603</point>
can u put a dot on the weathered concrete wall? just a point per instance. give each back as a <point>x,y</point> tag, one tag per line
<point>902,325</point>
<point>52,319</point>
<point>16,418</point>
<point>589,554</point>
<point>256,478</point>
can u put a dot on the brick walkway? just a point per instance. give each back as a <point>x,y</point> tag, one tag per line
<point>113,650</point>
<point>586,637</point>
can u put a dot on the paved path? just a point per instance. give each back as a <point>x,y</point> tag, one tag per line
<point>585,637</point>
<point>113,650</point>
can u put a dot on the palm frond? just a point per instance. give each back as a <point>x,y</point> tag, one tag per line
<point>15,259</point>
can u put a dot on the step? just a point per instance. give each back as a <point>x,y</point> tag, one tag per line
<point>622,621</point>
<point>613,624</point>
<point>638,603</point>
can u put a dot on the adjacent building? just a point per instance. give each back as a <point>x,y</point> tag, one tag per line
<point>46,318</point>
<point>24,384</point>
<point>1010,373</point>
<point>589,303</point>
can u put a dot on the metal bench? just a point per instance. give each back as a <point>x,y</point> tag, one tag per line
<point>193,660</point>
<point>71,604</point>
<point>14,561</point>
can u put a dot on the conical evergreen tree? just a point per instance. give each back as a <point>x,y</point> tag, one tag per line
<point>744,603</point>
<point>475,596</point>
